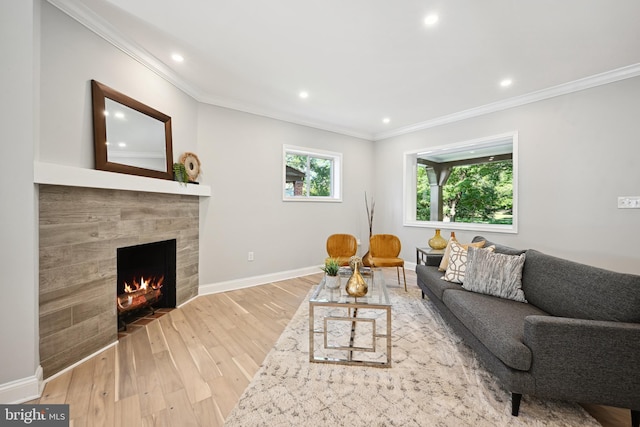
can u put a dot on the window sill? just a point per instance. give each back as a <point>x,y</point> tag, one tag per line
<point>495,228</point>
<point>311,199</point>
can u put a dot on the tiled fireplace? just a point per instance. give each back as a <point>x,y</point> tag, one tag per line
<point>81,232</point>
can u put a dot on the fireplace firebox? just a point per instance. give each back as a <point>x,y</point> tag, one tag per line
<point>146,279</point>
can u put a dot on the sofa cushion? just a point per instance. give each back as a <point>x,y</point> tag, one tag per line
<point>569,289</point>
<point>500,249</point>
<point>457,266</point>
<point>432,279</point>
<point>444,263</point>
<point>498,323</point>
<point>495,274</point>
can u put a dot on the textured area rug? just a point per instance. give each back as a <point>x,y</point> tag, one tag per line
<point>435,380</point>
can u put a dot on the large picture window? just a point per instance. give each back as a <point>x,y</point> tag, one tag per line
<point>470,185</point>
<point>311,174</point>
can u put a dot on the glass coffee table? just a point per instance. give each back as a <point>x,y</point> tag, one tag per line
<point>348,330</point>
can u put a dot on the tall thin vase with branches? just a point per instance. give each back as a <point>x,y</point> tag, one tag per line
<point>370,212</point>
<point>366,259</point>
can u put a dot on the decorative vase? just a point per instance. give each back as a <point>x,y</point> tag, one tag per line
<point>354,260</point>
<point>332,282</point>
<point>437,241</point>
<point>356,286</point>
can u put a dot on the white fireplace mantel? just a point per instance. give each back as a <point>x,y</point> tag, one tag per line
<point>54,174</point>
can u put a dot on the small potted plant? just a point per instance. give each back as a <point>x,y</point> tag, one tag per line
<point>331,268</point>
<point>180,173</point>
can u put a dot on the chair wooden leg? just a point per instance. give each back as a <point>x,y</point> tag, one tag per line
<point>404,276</point>
<point>398,272</point>
<point>515,403</point>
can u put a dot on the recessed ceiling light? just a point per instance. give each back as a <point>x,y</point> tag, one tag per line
<point>431,19</point>
<point>122,144</point>
<point>506,82</point>
<point>177,57</point>
<point>386,120</point>
<point>119,115</point>
<point>303,94</point>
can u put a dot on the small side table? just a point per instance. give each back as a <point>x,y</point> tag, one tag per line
<point>423,256</point>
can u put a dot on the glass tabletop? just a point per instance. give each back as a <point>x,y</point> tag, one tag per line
<point>377,293</point>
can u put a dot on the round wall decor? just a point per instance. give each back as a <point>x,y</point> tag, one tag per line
<point>191,164</point>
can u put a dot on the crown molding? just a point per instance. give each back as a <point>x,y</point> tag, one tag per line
<point>562,89</point>
<point>285,117</point>
<point>98,25</point>
<point>95,23</point>
<point>85,16</point>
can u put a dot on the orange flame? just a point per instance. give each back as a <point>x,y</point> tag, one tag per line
<point>154,283</point>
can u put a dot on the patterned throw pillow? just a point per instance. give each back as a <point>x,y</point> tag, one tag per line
<point>458,262</point>
<point>444,263</point>
<point>495,274</point>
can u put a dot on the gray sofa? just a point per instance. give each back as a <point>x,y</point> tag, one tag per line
<point>577,338</point>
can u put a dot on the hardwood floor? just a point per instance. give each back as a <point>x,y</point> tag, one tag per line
<point>189,367</point>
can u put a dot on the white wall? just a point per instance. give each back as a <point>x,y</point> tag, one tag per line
<point>71,57</point>
<point>18,120</point>
<point>242,161</point>
<point>48,62</point>
<point>576,157</point>
<point>241,156</point>
<point>578,153</point>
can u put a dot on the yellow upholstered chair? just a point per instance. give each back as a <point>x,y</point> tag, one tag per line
<point>384,250</point>
<point>342,247</point>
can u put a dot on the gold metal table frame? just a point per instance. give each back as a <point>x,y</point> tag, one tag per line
<point>377,299</point>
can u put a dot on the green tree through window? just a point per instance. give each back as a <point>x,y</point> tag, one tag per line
<point>478,193</point>
<point>311,174</point>
<point>317,180</point>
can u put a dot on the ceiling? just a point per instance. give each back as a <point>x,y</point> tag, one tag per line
<point>361,61</point>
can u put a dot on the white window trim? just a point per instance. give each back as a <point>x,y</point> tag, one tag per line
<point>336,173</point>
<point>409,185</point>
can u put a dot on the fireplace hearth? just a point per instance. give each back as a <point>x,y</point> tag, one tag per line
<point>146,279</point>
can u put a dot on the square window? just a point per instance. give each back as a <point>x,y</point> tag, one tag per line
<point>311,175</point>
<point>466,186</point>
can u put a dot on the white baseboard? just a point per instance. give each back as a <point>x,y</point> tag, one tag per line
<point>30,388</point>
<point>187,301</point>
<point>70,367</point>
<point>248,282</point>
<point>22,390</point>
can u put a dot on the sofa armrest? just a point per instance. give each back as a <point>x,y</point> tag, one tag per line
<point>589,361</point>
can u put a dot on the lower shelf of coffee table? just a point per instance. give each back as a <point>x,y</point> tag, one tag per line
<point>358,327</point>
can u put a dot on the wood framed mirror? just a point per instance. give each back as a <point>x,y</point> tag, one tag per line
<point>129,136</point>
